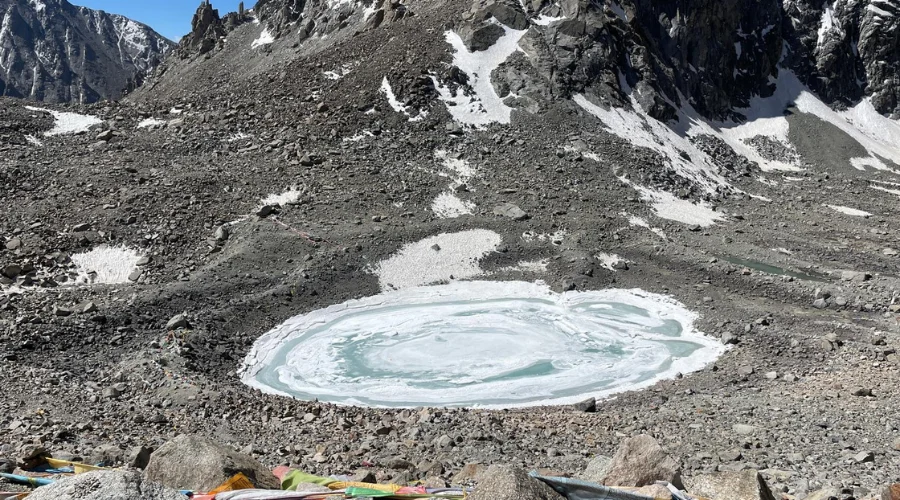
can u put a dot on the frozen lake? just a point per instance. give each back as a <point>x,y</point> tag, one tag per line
<point>480,343</point>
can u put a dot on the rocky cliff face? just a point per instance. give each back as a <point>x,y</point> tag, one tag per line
<point>716,55</point>
<point>719,53</point>
<point>712,54</point>
<point>849,48</point>
<point>51,50</point>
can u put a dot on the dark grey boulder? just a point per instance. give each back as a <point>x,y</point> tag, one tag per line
<point>481,37</point>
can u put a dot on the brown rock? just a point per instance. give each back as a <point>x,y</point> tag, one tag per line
<point>33,456</point>
<point>891,492</point>
<point>469,473</point>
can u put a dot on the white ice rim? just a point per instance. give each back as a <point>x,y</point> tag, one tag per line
<point>531,328</point>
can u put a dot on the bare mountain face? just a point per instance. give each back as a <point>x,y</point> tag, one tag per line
<point>714,54</point>
<point>51,50</point>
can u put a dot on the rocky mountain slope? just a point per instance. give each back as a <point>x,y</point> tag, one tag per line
<point>53,51</point>
<point>740,157</point>
<point>714,55</point>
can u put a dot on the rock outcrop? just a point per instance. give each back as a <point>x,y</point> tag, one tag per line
<point>208,29</point>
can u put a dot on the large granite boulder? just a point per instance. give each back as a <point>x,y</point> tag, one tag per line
<point>641,461</point>
<point>508,483</point>
<point>743,485</point>
<point>105,485</point>
<point>198,464</point>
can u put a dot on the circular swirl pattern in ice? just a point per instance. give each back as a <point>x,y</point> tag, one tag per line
<point>491,344</point>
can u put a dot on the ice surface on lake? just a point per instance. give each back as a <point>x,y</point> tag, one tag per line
<point>482,343</point>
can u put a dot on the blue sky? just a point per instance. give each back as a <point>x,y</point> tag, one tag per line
<point>171,18</point>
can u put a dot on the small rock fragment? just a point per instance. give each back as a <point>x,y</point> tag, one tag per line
<point>511,211</point>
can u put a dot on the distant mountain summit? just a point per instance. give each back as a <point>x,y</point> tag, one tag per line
<point>51,50</point>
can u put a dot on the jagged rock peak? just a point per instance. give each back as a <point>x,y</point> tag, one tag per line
<point>208,29</point>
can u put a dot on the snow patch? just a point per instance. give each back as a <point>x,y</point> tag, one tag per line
<point>286,198</point>
<point>878,134</point>
<point>106,265</point>
<point>642,130</point>
<point>369,11</point>
<point>68,123</point>
<point>338,73</point>
<point>484,106</point>
<point>878,11</point>
<point>391,98</point>
<point>636,221</point>
<point>849,211</point>
<point>449,206</point>
<point>527,266</point>
<point>240,136</point>
<point>151,123</point>
<point>668,206</point>
<point>397,106</point>
<point>358,137</point>
<point>765,117</point>
<point>335,4</point>
<point>461,171</point>
<point>827,22</point>
<point>439,258</point>
<point>886,190</point>
<point>609,260</point>
<point>34,140</point>
<point>265,38</point>
<point>556,238</point>
<point>545,20</point>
